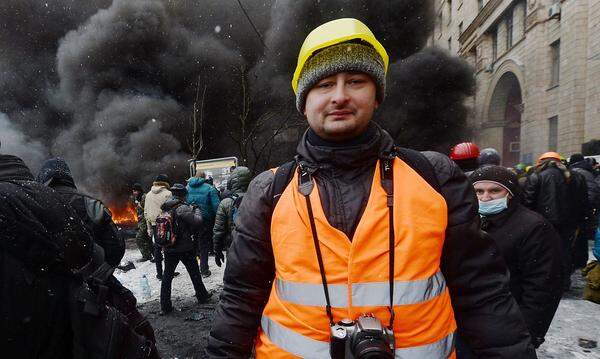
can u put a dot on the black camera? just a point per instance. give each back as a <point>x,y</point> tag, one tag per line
<point>364,338</point>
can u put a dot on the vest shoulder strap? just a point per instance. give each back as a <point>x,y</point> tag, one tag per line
<point>417,161</point>
<point>283,176</point>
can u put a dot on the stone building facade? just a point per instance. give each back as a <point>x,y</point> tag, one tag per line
<point>538,71</point>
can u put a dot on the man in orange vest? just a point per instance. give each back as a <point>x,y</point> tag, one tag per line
<point>360,248</point>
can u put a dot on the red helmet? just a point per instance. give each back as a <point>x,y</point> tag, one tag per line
<point>464,151</point>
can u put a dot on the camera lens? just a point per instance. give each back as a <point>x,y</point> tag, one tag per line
<point>371,348</point>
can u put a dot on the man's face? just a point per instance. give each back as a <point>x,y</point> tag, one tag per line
<point>340,107</point>
<point>487,191</point>
<point>135,193</point>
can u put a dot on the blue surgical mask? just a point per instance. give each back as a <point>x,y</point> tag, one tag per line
<point>493,207</point>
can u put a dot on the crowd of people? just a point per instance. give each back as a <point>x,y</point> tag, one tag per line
<point>202,218</point>
<point>356,248</point>
<point>542,218</point>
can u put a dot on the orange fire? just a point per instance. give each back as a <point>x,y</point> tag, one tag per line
<point>124,215</point>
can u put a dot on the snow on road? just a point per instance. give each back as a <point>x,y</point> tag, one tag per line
<point>575,318</point>
<point>182,285</point>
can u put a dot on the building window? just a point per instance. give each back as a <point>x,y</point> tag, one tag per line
<point>479,4</point>
<point>495,44</point>
<point>460,28</point>
<point>553,133</point>
<point>555,57</point>
<point>449,11</point>
<point>509,30</point>
<point>450,44</point>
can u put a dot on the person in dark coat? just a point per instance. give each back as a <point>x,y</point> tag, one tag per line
<point>42,245</point>
<point>188,221</point>
<point>529,245</point>
<point>561,198</point>
<point>585,167</point>
<point>55,173</point>
<point>142,239</point>
<point>224,220</point>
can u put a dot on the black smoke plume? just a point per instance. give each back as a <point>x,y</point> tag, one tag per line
<point>111,85</point>
<point>426,88</point>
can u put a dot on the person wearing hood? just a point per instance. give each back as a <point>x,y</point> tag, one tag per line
<point>228,211</point>
<point>43,248</point>
<point>560,196</point>
<point>584,167</point>
<point>358,225</point>
<point>528,243</point>
<point>187,221</point>
<point>155,198</point>
<point>202,194</point>
<point>56,174</point>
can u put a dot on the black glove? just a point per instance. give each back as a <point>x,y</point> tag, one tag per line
<point>219,257</point>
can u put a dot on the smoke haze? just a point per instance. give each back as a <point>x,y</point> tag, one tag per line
<point>110,85</point>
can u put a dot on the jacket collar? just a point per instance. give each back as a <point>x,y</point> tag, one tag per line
<point>361,152</point>
<point>13,168</point>
<point>499,219</point>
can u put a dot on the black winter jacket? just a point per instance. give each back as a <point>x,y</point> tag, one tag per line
<point>487,315</point>
<point>97,219</point>
<point>188,221</point>
<point>531,249</point>
<point>41,242</point>
<point>585,169</point>
<point>557,194</point>
<point>239,180</point>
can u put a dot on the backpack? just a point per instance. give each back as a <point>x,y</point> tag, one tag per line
<point>415,159</point>
<point>166,228</point>
<point>105,322</point>
<point>235,208</point>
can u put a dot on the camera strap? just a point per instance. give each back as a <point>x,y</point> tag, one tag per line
<point>306,186</point>
<point>387,182</point>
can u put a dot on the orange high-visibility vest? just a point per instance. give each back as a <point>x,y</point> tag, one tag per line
<point>294,322</point>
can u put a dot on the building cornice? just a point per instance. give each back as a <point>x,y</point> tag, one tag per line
<point>483,15</point>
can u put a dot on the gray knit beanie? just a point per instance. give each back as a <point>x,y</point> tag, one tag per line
<point>344,57</point>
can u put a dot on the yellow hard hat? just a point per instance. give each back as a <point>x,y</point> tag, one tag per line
<point>332,33</point>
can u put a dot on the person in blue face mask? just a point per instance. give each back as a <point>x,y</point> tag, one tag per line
<point>528,243</point>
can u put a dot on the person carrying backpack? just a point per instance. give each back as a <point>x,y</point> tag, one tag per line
<point>174,230</point>
<point>42,246</point>
<point>229,210</point>
<point>357,232</point>
<point>113,303</point>
<point>202,194</point>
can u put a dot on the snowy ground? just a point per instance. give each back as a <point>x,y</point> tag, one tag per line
<point>182,285</point>
<point>183,333</point>
<point>575,319</point>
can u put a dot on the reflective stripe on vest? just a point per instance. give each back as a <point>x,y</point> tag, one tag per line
<point>305,347</point>
<point>363,294</point>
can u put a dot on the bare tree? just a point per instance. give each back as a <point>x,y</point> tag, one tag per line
<point>195,141</point>
<point>255,137</point>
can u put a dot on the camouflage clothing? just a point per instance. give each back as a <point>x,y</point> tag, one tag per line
<point>143,240</point>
